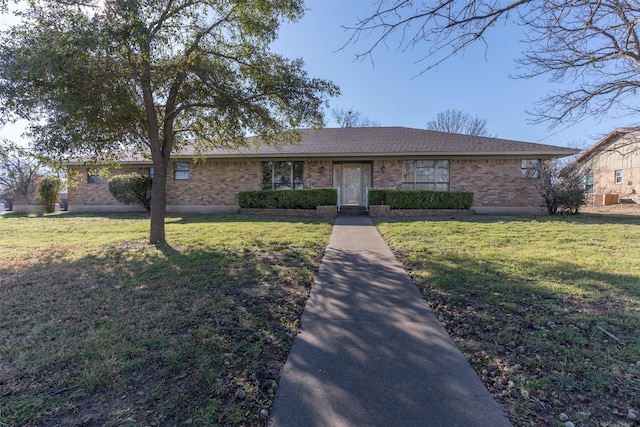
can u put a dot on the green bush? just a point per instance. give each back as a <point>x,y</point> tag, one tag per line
<point>421,199</point>
<point>132,188</point>
<point>288,199</point>
<point>49,188</point>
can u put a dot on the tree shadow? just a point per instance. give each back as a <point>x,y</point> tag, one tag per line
<point>145,332</point>
<point>371,352</point>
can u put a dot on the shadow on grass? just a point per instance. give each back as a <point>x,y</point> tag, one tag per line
<point>548,279</point>
<point>154,335</point>
<point>576,331</point>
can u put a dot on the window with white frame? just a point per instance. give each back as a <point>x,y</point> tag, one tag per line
<point>425,175</point>
<point>282,175</point>
<point>530,168</point>
<point>619,176</point>
<point>181,170</point>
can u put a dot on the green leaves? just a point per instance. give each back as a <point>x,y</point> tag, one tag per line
<point>49,189</point>
<point>421,199</point>
<point>132,188</point>
<point>128,76</point>
<point>80,74</point>
<point>288,199</point>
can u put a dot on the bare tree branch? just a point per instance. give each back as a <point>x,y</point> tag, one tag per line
<point>457,121</point>
<point>591,48</point>
<point>351,118</point>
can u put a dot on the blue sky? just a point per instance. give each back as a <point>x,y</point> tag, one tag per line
<point>391,91</point>
<point>389,88</point>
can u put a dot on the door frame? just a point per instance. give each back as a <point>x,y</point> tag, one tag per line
<point>339,180</point>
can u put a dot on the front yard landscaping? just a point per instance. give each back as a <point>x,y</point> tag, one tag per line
<point>99,328</point>
<point>546,310</point>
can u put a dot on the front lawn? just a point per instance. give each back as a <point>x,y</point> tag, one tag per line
<point>546,310</point>
<point>99,328</point>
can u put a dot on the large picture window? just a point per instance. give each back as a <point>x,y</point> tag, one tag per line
<point>282,176</point>
<point>425,175</point>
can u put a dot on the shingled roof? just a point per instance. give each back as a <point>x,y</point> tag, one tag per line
<point>374,142</point>
<point>392,141</point>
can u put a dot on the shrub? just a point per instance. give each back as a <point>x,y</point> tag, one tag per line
<point>132,188</point>
<point>561,189</point>
<point>421,199</point>
<point>49,188</point>
<point>288,199</point>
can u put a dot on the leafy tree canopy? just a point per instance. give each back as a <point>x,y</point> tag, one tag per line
<point>99,77</point>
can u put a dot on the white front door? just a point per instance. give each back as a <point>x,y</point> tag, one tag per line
<point>352,179</point>
<point>352,183</point>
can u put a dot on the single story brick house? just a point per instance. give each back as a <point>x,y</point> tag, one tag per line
<point>610,169</point>
<point>349,159</point>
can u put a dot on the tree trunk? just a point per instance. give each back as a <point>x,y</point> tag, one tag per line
<point>158,202</point>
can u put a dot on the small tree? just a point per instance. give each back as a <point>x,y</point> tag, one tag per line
<point>561,189</point>
<point>132,188</point>
<point>49,188</point>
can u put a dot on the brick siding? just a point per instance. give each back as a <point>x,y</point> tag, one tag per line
<point>494,182</point>
<point>213,183</point>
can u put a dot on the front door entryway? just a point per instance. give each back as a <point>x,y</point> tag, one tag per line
<point>352,179</point>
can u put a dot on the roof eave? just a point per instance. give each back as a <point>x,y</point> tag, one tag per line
<point>361,155</point>
<point>448,154</point>
<point>604,141</point>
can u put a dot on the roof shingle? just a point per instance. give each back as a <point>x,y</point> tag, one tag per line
<point>393,141</point>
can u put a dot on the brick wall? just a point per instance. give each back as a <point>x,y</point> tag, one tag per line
<point>318,174</point>
<point>494,182</point>
<point>216,184</point>
<point>84,196</point>
<point>390,177</point>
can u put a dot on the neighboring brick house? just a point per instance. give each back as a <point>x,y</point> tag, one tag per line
<point>610,169</point>
<point>350,159</point>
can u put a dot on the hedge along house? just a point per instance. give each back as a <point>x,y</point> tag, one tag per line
<point>351,160</point>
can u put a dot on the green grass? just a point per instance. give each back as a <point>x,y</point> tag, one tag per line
<point>98,327</point>
<point>541,293</point>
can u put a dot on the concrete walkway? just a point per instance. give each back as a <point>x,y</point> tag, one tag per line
<point>370,352</point>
